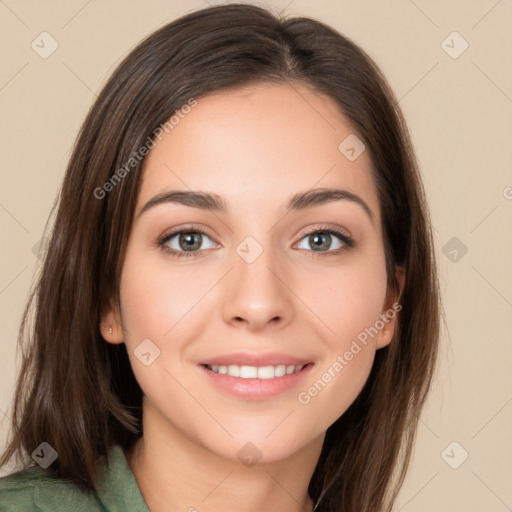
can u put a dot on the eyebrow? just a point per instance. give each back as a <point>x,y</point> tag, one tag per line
<point>215,203</point>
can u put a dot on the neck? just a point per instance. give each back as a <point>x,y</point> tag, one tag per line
<point>174,471</point>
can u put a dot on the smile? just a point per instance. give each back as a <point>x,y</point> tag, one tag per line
<point>256,382</point>
<point>255,372</point>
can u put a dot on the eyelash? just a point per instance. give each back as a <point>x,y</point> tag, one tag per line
<point>347,241</point>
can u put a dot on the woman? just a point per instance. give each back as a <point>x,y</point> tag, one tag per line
<point>239,305</point>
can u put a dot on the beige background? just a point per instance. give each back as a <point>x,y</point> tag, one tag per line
<point>459,111</point>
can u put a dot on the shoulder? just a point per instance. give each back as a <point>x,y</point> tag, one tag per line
<point>34,489</point>
<point>38,490</point>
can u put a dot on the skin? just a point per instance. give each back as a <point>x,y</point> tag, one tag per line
<point>256,147</point>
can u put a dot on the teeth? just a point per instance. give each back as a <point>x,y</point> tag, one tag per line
<point>266,372</point>
<point>256,372</point>
<point>233,370</point>
<point>280,370</point>
<point>248,372</point>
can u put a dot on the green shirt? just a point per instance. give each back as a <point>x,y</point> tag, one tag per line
<point>36,490</point>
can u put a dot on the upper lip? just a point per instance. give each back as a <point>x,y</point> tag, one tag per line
<point>246,359</point>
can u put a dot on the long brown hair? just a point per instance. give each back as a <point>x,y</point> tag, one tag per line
<point>78,393</point>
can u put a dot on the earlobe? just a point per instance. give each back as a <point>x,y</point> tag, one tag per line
<point>110,326</point>
<point>386,334</point>
<point>384,338</point>
<point>390,315</point>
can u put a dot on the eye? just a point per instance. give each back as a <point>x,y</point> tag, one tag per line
<point>322,239</point>
<point>190,242</point>
<point>185,242</point>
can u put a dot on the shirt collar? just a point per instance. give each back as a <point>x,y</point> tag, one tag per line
<point>117,488</point>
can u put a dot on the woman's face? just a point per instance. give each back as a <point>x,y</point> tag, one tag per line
<point>268,289</point>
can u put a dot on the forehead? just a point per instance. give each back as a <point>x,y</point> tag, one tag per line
<point>259,143</point>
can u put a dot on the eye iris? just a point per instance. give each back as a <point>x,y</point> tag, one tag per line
<point>316,240</point>
<point>187,242</point>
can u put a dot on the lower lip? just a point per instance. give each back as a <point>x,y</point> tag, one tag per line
<point>256,389</point>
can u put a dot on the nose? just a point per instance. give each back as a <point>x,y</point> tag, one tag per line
<point>258,295</point>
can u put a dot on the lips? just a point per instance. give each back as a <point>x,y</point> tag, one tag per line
<point>257,360</point>
<point>256,376</point>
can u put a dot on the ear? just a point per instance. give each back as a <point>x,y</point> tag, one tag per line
<point>110,324</point>
<point>389,315</point>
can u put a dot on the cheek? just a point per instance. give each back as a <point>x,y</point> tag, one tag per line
<point>349,307</point>
<point>336,386</point>
<point>347,301</point>
<point>155,300</point>
<point>163,305</point>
